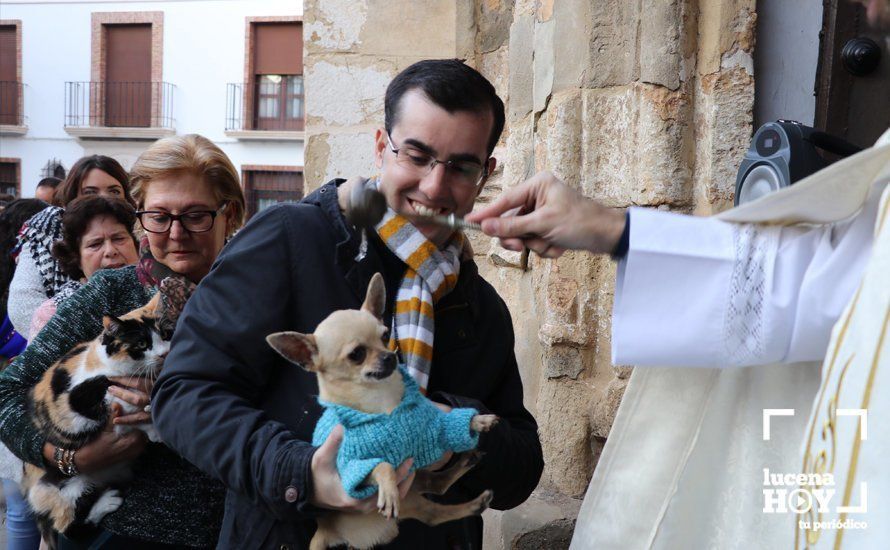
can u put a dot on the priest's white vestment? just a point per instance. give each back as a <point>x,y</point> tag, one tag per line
<point>686,464</point>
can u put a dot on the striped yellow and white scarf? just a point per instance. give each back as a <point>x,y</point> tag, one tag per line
<point>431,274</point>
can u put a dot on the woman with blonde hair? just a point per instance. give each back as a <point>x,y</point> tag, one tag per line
<point>189,201</point>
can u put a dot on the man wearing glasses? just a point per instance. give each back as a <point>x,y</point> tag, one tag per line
<point>228,403</point>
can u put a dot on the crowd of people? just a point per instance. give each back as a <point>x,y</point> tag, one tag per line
<point>236,468</point>
<point>68,263</point>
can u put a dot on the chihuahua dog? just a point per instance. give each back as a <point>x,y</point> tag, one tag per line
<point>358,379</point>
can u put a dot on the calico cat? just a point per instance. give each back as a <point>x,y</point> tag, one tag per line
<point>70,406</point>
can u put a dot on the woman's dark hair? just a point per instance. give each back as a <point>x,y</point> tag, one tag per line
<point>11,219</point>
<point>50,181</point>
<point>69,189</point>
<point>450,84</point>
<point>75,221</point>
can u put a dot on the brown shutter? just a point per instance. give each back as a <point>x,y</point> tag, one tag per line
<point>128,75</point>
<point>9,86</point>
<point>128,53</point>
<point>7,54</point>
<point>278,48</point>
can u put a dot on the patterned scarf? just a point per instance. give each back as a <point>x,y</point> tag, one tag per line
<point>431,274</point>
<point>175,289</point>
<point>38,234</point>
<point>66,291</point>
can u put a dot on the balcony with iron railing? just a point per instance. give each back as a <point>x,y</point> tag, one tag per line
<point>12,109</point>
<point>270,108</point>
<point>119,110</point>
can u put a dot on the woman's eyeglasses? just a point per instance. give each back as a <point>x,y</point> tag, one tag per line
<point>196,221</point>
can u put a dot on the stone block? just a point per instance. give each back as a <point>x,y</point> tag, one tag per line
<point>562,299</point>
<point>493,66</point>
<point>603,411</point>
<point>571,40</point>
<point>660,43</point>
<point>636,146</point>
<point>664,167</point>
<point>544,522</point>
<point>346,94</point>
<point>563,122</point>
<point>563,420</point>
<point>521,61</point>
<point>422,29</point>
<point>315,161</point>
<point>544,64</point>
<point>724,101</point>
<point>350,154</point>
<point>494,20</point>
<point>562,360</point>
<point>333,25</point>
<point>608,143</point>
<point>519,160</point>
<point>612,44</point>
<point>465,32</point>
<point>723,26</point>
<point>501,257</point>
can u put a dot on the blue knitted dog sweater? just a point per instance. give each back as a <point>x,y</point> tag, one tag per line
<point>416,428</point>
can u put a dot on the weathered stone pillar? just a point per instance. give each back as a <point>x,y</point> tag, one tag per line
<point>636,103</point>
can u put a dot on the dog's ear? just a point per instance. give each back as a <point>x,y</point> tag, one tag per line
<point>375,299</point>
<point>295,347</point>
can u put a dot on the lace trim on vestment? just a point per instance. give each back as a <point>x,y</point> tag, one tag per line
<point>743,330</point>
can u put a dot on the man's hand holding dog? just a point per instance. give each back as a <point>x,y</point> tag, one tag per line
<point>328,488</point>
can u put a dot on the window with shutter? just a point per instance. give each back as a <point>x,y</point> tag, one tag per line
<point>277,76</point>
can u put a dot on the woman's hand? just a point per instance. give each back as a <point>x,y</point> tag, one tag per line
<point>106,450</point>
<point>327,487</point>
<point>136,391</point>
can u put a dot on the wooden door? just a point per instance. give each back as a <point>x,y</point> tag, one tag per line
<point>9,85</point>
<point>852,98</point>
<point>128,86</point>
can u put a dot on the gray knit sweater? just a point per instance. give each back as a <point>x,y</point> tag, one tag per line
<point>169,501</point>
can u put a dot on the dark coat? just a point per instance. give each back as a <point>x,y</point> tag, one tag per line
<point>229,404</point>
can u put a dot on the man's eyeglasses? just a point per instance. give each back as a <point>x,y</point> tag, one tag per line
<point>196,221</point>
<point>462,172</point>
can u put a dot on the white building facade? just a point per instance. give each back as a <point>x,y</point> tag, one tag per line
<point>110,77</point>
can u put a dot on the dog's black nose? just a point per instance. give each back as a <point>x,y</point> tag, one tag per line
<point>388,361</point>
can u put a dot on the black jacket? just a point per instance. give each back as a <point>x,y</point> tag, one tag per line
<point>229,404</point>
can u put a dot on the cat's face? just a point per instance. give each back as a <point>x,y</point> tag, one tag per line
<point>134,346</point>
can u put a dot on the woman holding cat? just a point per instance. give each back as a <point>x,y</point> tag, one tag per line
<point>189,201</point>
<point>38,275</point>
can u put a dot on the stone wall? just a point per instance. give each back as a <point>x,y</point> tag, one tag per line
<point>634,102</point>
